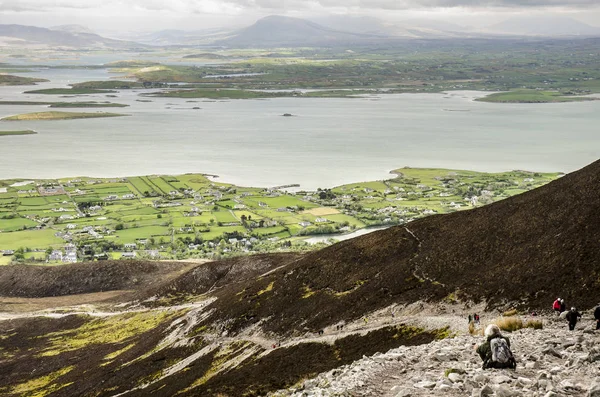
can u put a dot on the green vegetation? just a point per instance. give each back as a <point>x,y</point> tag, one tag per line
<point>7,79</point>
<point>112,329</point>
<point>410,67</point>
<point>532,96</point>
<point>42,386</point>
<point>69,91</point>
<point>107,85</point>
<point>218,93</point>
<point>59,116</point>
<point>191,216</point>
<point>24,132</point>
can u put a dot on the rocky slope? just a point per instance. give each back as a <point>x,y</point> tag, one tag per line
<point>551,362</point>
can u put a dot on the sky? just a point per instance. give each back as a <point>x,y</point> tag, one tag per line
<point>104,16</point>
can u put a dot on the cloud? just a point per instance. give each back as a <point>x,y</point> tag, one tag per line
<point>227,6</point>
<point>46,5</point>
<point>255,8</point>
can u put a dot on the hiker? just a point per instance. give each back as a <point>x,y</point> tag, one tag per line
<point>495,352</point>
<point>476,318</point>
<point>597,316</point>
<point>470,319</point>
<point>563,307</point>
<point>572,316</point>
<point>556,306</point>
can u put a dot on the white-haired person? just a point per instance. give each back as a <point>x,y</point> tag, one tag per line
<point>495,351</point>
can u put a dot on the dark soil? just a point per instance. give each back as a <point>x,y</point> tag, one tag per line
<point>28,281</point>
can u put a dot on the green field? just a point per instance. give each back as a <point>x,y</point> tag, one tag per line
<point>59,116</point>
<point>185,209</point>
<point>12,225</point>
<point>30,238</point>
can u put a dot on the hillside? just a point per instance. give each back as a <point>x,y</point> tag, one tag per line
<point>550,26</point>
<point>250,325</point>
<point>31,36</point>
<point>276,31</point>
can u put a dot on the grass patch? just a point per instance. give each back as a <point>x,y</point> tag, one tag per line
<point>40,387</point>
<point>267,289</point>
<point>535,324</point>
<point>59,116</point>
<point>113,329</point>
<point>509,324</point>
<point>510,313</point>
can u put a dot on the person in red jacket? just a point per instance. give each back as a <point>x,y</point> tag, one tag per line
<point>556,306</point>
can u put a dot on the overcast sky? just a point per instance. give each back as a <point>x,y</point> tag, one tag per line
<point>106,16</point>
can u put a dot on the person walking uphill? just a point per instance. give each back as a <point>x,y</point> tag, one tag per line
<point>556,306</point>
<point>572,316</point>
<point>495,352</point>
<point>597,316</point>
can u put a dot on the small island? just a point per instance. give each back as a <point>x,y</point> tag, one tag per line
<point>70,91</point>
<point>87,104</point>
<point>59,116</point>
<point>7,79</point>
<point>534,96</point>
<point>24,132</point>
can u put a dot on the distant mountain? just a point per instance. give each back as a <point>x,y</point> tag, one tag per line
<point>422,28</point>
<point>177,37</point>
<point>75,29</point>
<point>277,30</point>
<point>545,26</point>
<point>35,37</point>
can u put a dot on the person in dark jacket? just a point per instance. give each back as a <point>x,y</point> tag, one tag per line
<point>572,317</point>
<point>597,316</point>
<point>485,350</point>
<point>563,306</point>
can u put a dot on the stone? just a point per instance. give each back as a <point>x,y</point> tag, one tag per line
<point>594,391</point>
<point>524,381</point>
<point>425,384</point>
<point>480,378</point>
<point>454,377</point>
<point>532,365</point>
<point>404,393</point>
<point>504,391</point>
<point>486,391</point>
<point>555,370</point>
<point>501,379</point>
<point>550,394</point>
<point>552,352</point>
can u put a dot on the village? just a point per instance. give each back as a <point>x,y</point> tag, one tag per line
<point>193,216</point>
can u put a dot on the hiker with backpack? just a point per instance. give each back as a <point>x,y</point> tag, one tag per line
<point>572,316</point>
<point>556,306</point>
<point>597,316</point>
<point>495,352</point>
